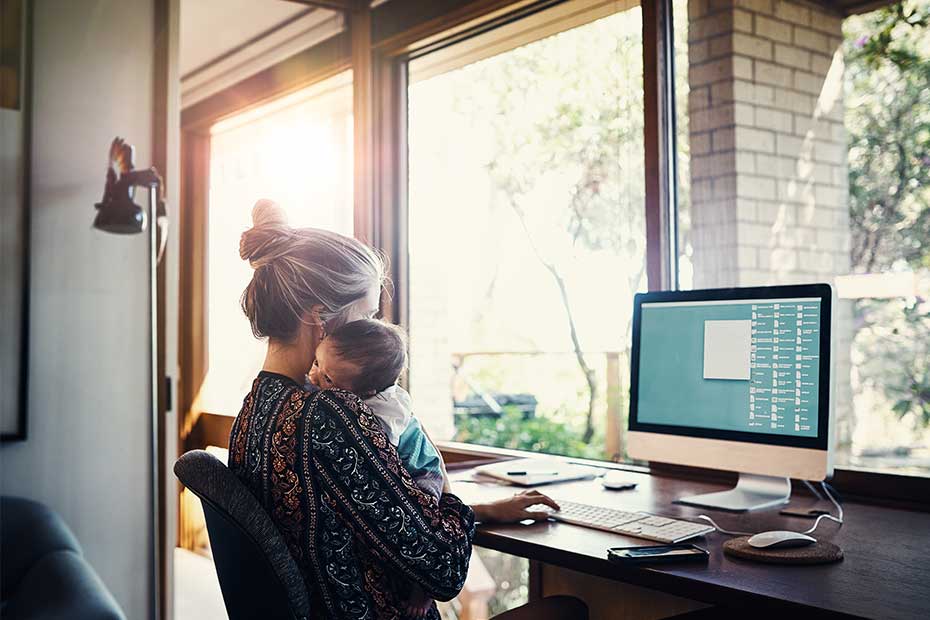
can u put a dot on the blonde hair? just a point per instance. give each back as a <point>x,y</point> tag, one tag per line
<point>298,268</point>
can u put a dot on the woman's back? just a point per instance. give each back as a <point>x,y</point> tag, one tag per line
<point>369,542</point>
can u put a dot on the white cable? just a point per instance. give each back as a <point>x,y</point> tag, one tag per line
<point>722,530</point>
<point>837,519</point>
<point>839,510</point>
<point>813,489</point>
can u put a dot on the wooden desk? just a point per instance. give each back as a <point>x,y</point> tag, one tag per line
<point>885,573</point>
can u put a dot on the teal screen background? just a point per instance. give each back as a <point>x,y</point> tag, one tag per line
<point>672,389</point>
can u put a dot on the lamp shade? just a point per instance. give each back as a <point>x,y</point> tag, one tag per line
<point>116,211</point>
<point>120,215</point>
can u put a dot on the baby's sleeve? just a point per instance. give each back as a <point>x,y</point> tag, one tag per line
<point>421,458</point>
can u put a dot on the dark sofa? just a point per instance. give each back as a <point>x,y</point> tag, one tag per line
<point>43,574</point>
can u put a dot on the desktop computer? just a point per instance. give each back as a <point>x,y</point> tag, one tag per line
<point>735,379</point>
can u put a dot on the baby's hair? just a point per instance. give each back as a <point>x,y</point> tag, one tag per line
<point>376,348</point>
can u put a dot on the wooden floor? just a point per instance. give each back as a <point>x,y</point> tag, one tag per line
<point>197,593</point>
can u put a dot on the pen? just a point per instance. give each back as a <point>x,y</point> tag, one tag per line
<point>532,473</point>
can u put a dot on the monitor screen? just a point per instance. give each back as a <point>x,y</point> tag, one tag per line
<point>731,366</point>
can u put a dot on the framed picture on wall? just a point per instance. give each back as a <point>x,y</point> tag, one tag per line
<point>15,20</point>
<point>11,53</point>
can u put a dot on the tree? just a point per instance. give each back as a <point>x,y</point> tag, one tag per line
<point>888,123</point>
<point>570,106</point>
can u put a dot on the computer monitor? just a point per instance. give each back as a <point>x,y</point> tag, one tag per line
<point>735,379</point>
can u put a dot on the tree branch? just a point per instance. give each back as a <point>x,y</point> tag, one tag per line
<point>588,372</point>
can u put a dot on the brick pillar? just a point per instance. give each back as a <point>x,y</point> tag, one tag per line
<point>768,153</point>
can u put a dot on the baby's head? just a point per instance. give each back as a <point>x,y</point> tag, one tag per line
<point>364,357</point>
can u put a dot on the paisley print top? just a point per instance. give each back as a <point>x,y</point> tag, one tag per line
<point>370,543</point>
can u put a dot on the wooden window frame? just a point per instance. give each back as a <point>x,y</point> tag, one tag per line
<point>377,46</point>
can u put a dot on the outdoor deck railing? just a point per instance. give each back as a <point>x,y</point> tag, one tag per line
<point>613,447</point>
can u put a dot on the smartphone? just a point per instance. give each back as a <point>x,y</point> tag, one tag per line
<point>658,554</point>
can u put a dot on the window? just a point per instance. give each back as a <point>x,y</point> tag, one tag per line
<point>804,152</point>
<point>297,151</point>
<point>526,177</point>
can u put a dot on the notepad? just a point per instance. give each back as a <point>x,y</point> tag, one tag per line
<point>534,472</point>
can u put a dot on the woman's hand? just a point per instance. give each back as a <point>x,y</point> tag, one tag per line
<point>514,509</point>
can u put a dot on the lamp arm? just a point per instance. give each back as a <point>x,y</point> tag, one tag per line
<point>151,179</point>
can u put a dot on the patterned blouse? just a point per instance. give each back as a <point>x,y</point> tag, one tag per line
<point>369,542</point>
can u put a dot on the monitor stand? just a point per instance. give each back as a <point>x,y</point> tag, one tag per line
<point>751,492</point>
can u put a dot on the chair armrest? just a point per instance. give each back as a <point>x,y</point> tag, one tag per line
<point>29,530</point>
<point>62,585</point>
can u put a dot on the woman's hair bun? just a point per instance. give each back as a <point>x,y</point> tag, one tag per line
<point>268,213</point>
<point>269,229</point>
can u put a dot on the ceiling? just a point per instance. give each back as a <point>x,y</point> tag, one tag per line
<point>211,29</point>
<point>852,7</point>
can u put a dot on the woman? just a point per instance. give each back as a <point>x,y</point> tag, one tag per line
<point>369,542</point>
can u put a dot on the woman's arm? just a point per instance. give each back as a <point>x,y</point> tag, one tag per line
<point>428,542</point>
<point>510,510</point>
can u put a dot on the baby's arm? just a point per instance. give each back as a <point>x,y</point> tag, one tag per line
<point>422,460</point>
<point>417,452</point>
<point>446,486</point>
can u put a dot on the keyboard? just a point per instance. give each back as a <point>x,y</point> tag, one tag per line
<point>638,524</point>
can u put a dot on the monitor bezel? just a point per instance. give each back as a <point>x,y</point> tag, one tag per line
<point>821,291</point>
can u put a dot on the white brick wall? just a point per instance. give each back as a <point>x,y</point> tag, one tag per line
<point>768,168</point>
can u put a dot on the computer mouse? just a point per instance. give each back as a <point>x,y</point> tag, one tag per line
<point>616,483</point>
<point>780,540</point>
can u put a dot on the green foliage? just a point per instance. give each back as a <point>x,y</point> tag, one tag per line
<point>566,117</point>
<point>888,123</point>
<point>894,345</point>
<point>538,434</point>
<point>891,37</point>
<point>581,119</point>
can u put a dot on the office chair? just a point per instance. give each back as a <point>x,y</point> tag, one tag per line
<point>257,574</point>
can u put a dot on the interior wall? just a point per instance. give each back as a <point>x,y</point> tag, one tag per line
<point>11,267</point>
<point>88,450</point>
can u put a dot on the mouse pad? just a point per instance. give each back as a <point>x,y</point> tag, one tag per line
<point>821,552</point>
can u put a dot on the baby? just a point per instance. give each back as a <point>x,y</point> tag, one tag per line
<point>366,357</point>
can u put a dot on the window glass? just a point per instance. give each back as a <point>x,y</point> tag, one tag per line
<point>526,230</point>
<point>887,123</point>
<point>297,151</point>
<point>804,150</point>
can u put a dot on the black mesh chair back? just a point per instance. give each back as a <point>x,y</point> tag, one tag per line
<point>257,574</point>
